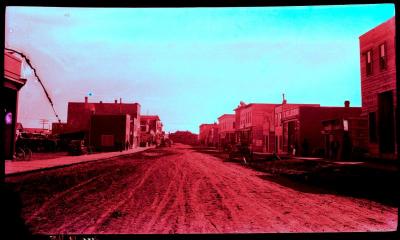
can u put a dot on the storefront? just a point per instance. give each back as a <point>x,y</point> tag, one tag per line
<point>345,138</point>
<point>11,86</point>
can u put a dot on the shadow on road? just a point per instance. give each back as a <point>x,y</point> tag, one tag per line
<point>380,188</point>
<point>321,177</point>
<point>296,185</point>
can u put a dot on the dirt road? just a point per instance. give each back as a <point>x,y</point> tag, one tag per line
<point>179,190</point>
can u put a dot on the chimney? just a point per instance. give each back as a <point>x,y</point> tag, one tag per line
<point>347,103</point>
<point>120,100</point>
<point>101,101</point>
<point>115,101</point>
<point>86,99</point>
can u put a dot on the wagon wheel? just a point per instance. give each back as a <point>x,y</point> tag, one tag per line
<point>20,154</point>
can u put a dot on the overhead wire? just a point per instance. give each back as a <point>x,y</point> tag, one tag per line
<point>38,78</point>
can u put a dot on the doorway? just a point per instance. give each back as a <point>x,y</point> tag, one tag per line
<point>291,135</point>
<point>386,122</point>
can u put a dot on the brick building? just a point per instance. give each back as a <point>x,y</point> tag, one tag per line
<point>302,127</point>
<point>80,114</point>
<point>350,135</point>
<point>110,132</point>
<point>378,88</point>
<point>284,107</point>
<point>226,130</point>
<point>12,83</point>
<point>58,128</point>
<point>254,125</point>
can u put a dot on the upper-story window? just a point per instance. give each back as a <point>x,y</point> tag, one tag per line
<point>382,56</point>
<point>368,62</point>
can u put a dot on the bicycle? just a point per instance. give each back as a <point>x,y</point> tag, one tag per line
<point>23,154</point>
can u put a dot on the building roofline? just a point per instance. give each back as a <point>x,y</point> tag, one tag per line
<point>149,117</point>
<point>252,104</point>
<point>205,124</point>
<point>105,103</point>
<point>300,104</point>
<point>319,107</point>
<point>377,26</point>
<point>226,115</point>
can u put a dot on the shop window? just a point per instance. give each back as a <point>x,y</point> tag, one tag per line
<point>382,56</point>
<point>368,62</point>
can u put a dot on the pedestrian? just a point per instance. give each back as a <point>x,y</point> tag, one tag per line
<point>294,151</point>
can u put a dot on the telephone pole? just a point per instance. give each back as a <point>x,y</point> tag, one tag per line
<point>43,122</point>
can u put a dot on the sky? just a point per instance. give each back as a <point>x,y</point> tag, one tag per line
<point>189,65</point>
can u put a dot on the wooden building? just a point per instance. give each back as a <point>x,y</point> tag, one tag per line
<point>226,130</point>
<point>378,88</point>
<point>150,130</point>
<point>208,134</point>
<point>254,125</point>
<point>12,83</point>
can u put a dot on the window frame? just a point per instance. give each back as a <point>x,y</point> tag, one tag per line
<point>384,58</point>
<point>369,70</point>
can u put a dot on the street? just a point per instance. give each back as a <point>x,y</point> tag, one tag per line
<point>180,190</point>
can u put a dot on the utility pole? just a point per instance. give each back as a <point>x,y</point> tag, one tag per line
<point>43,122</point>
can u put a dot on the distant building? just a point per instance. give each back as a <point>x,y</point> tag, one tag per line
<point>378,88</point>
<point>226,131</point>
<point>254,125</point>
<point>185,137</point>
<point>204,130</point>
<point>38,130</point>
<point>80,115</point>
<point>302,127</point>
<point>208,134</point>
<point>150,129</point>
<point>12,83</point>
